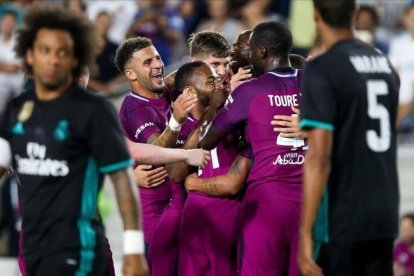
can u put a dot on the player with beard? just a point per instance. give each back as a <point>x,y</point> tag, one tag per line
<point>203,214</point>
<point>273,196</point>
<point>194,78</point>
<point>144,116</point>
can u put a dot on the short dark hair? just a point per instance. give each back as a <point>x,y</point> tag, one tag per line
<point>409,216</point>
<point>128,48</point>
<point>208,43</point>
<point>274,36</point>
<point>55,17</point>
<point>408,8</point>
<point>337,13</point>
<point>371,11</point>
<point>184,74</point>
<point>11,12</point>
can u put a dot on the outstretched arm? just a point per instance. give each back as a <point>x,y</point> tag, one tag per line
<point>128,203</point>
<point>229,184</point>
<point>178,171</point>
<point>316,171</point>
<point>155,155</point>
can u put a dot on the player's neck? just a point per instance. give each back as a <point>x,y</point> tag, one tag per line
<point>332,36</point>
<point>277,63</point>
<point>45,94</point>
<point>6,37</point>
<point>145,92</point>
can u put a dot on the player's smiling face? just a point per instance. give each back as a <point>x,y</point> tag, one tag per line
<point>240,51</point>
<point>219,64</point>
<point>204,84</point>
<point>148,69</point>
<point>52,58</point>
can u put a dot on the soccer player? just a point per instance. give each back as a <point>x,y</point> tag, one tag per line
<point>213,49</point>
<point>240,63</point>
<point>58,150</point>
<point>144,116</point>
<point>194,78</point>
<point>273,196</point>
<point>349,104</point>
<point>218,256</point>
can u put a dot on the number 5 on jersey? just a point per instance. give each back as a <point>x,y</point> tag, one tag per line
<point>378,142</point>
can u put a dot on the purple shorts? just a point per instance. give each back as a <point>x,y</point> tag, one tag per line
<point>270,231</point>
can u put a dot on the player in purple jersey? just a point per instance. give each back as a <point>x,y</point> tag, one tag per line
<point>192,78</point>
<point>144,115</point>
<point>213,49</point>
<point>273,197</point>
<point>209,235</point>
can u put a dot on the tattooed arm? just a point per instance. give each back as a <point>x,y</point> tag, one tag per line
<point>224,185</point>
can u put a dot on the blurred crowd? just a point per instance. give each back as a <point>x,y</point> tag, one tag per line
<point>386,25</point>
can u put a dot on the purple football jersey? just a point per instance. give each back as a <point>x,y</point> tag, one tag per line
<point>253,104</point>
<point>140,118</point>
<point>202,210</point>
<point>404,257</point>
<point>210,225</point>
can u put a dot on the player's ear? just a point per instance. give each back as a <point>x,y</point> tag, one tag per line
<point>130,74</point>
<point>316,16</point>
<point>188,90</point>
<point>262,52</point>
<point>29,56</point>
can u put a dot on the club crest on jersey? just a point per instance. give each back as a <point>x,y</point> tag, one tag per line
<point>26,111</point>
<point>24,115</point>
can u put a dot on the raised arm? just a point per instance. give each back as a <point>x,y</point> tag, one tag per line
<point>209,137</point>
<point>134,259</point>
<point>182,107</point>
<point>226,185</point>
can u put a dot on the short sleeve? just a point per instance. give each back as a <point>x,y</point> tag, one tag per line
<point>107,142</point>
<point>234,113</point>
<point>318,102</point>
<point>140,123</point>
<point>246,152</point>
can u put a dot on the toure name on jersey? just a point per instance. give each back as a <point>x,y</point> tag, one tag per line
<point>283,100</point>
<point>370,64</point>
<point>39,164</point>
<point>293,158</point>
